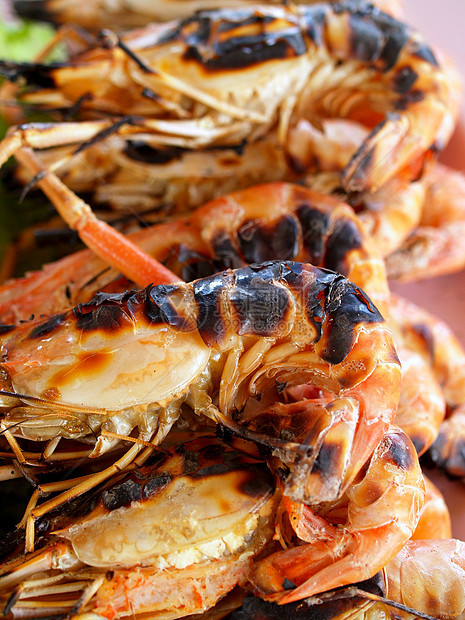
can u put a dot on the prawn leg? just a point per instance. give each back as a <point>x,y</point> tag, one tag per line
<point>104,240</point>
<point>384,504</point>
<point>158,551</point>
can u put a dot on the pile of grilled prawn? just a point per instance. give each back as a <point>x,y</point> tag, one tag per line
<point>221,413</point>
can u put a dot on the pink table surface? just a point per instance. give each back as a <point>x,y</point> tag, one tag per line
<point>442,24</point>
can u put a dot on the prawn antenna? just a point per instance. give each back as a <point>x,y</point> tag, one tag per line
<point>387,601</point>
<point>53,404</point>
<point>109,39</point>
<point>46,415</point>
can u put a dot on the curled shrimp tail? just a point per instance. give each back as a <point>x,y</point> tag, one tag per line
<point>384,505</point>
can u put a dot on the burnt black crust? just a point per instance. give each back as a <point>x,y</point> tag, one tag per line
<point>399,450</point>
<point>231,53</point>
<point>448,453</point>
<point>366,42</point>
<point>5,329</point>
<point>370,23</point>
<point>424,52</point>
<point>210,321</point>
<point>424,331</point>
<point>35,74</point>
<point>47,327</point>
<point>257,301</point>
<point>137,150</point>
<point>375,36</point>
<point>346,307</point>
<point>225,252</point>
<point>344,238</point>
<point>366,158</point>
<point>33,9</point>
<point>328,459</point>
<point>159,308</point>
<point>329,606</point>
<point>261,306</point>
<point>102,318</point>
<point>277,240</point>
<point>404,79</point>
<point>315,224</point>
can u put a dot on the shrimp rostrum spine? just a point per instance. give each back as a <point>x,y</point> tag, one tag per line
<point>217,344</point>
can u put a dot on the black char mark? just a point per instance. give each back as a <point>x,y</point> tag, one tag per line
<point>5,329</point>
<point>159,308</point>
<point>314,225</point>
<point>138,150</point>
<point>366,158</point>
<point>193,265</point>
<point>313,295</point>
<point>122,494</point>
<point>153,485</point>
<point>225,252</point>
<point>424,331</point>
<point>278,240</point>
<point>33,9</point>
<point>404,79</point>
<point>47,327</point>
<point>394,35</point>
<point>448,454</point>
<point>424,52</point>
<point>258,482</point>
<point>105,317</point>
<point>330,609</point>
<point>399,451</point>
<point>346,306</point>
<point>262,306</point>
<point>205,31</point>
<point>34,74</point>
<point>133,489</point>
<point>314,20</point>
<point>366,40</point>
<point>414,96</point>
<point>344,238</point>
<point>210,321</point>
<point>328,460</point>
<point>371,24</point>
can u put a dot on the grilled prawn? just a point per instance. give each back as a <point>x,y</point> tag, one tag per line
<point>121,15</point>
<point>275,221</point>
<point>221,346</point>
<point>435,247</point>
<point>240,80</point>
<point>272,221</point>
<point>425,580</point>
<point>436,342</point>
<point>353,538</point>
<point>171,538</point>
